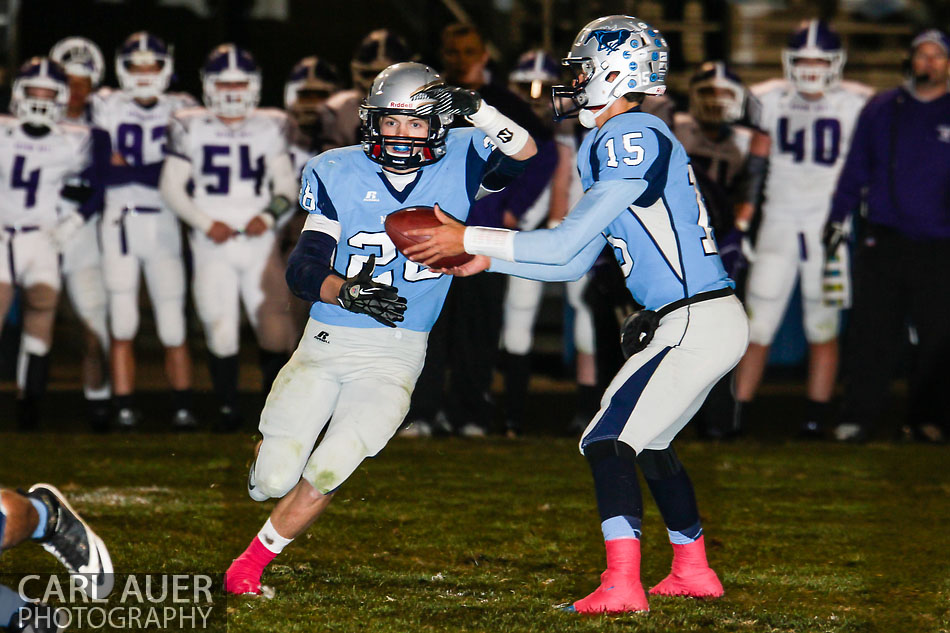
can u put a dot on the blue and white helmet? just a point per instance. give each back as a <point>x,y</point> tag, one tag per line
<point>144,49</point>
<point>40,92</point>
<point>815,40</point>
<point>611,57</point>
<point>535,68</point>
<point>80,57</point>
<point>716,94</point>
<point>228,64</point>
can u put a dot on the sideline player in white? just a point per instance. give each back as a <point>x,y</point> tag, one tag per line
<point>532,79</point>
<point>348,364</point>
<point>236,157</point>
<point>641,199</point>
<point>139,234</point>
<point>808,119</point>
<point>82,258</point>
<point>39,214</point>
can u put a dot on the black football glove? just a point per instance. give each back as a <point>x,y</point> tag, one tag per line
<point>362,295</point>
<point>637,331</point>
<point>448,100</point>
<point>77,190</point>
<point>833,235</point>
<point>731,252</point>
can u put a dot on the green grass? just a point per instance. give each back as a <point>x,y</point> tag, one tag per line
<point>492,535</point>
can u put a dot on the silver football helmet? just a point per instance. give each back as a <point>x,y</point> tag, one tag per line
<point>392,92</point>
<point>611,57</point>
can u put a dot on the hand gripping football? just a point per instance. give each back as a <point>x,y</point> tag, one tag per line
<point>398,222</point>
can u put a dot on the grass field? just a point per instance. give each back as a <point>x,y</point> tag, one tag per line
<point>493,535</point>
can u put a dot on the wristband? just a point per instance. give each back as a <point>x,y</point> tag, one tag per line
<point>480,240</point>
<point>509,137</point>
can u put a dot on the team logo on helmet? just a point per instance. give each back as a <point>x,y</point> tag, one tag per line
<point>609,40</point>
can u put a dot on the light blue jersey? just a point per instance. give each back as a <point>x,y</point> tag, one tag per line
<point>640,197</point>
<point>348,197</point>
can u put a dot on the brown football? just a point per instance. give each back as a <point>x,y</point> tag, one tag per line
<point>398,222</point>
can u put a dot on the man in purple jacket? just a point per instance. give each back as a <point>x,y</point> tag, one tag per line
<point>899,165</point>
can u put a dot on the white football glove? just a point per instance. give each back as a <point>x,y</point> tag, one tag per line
<point>67,227</point>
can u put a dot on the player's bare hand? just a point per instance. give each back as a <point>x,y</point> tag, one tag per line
<point>478,264</point>
<point>118,160</point>
<point>220,232</point>
<point>444,241</point>
<point>257,226</point>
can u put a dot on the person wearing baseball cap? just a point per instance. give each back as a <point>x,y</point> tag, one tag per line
<point>899,169</point>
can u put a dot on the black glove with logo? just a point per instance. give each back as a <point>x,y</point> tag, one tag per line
<point>448,100</point>
<point>362,295</point>
<point>637,331</point>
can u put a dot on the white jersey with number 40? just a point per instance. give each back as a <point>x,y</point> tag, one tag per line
<point>230,164</point>
<point>810,140</point>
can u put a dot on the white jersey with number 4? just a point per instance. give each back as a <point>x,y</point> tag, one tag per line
<point>33,169</point>
<point>810,140</point>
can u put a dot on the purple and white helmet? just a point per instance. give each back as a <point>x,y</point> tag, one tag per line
<point>716,94</point>
<point>535,68</point>
<point>611,57</point>
<point>144,49</point>
<point>40,75</point>
<point>815,40</point>
<point>80,57</point>
<point>229,63</point>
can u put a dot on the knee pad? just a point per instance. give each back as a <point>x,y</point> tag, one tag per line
<point>278,466</point>
<point>222,336</point>
<point>661,464</point>
<point>123,316</point>
<point>821,322</point>
<point>170,321</point>
<point>609,448</point>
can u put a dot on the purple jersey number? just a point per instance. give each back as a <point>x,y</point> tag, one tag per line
<point>250,170</point>
<point>31,182</point>
<point>827,134</point>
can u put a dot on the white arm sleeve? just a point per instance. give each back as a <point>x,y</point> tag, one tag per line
<point>285,181</point>
<point>572,270</point>
<point>172,185</point>
<point>602,203</point>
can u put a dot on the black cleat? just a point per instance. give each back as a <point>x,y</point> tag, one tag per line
<point>811,430</point>
<point>229,420</point>
<point>73,543</point>
<point>27,415</point>
<point>127,419</point>
<point>184,421</point>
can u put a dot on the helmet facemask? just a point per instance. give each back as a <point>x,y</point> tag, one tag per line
<point>144,84</point>
<point>813,78</point>
<point>402,152</point>
<point>40,98</point>
<point>232,94</point>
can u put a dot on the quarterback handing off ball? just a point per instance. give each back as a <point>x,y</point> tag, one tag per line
<point>419,218</point>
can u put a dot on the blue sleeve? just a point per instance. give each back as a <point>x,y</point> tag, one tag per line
<point>856,173</point>
<point>590,216</point>
<point>309,264</point>
<point>314,197</point>
<point>572,270</point>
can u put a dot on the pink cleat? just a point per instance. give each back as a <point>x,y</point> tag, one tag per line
<point>243,577</point>
<point>691,574</point>
<point>620,589</point>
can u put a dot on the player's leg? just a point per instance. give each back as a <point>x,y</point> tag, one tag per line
<point>655,394</point>
<point>588,396</point>
<point>770,286</point>
<point>121,272</point>
<point>87,293</point>
<point>297,409</point>
<point>215,291</point>
<point>620,504</point>
<point>522,301</point>
<point>821,331</point>
<point>267,299</point>
<point>165,280</point>
<point>39,312</point>
<point>19,518</point>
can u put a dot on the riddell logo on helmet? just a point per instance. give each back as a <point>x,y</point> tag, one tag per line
<point>400,104</point>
